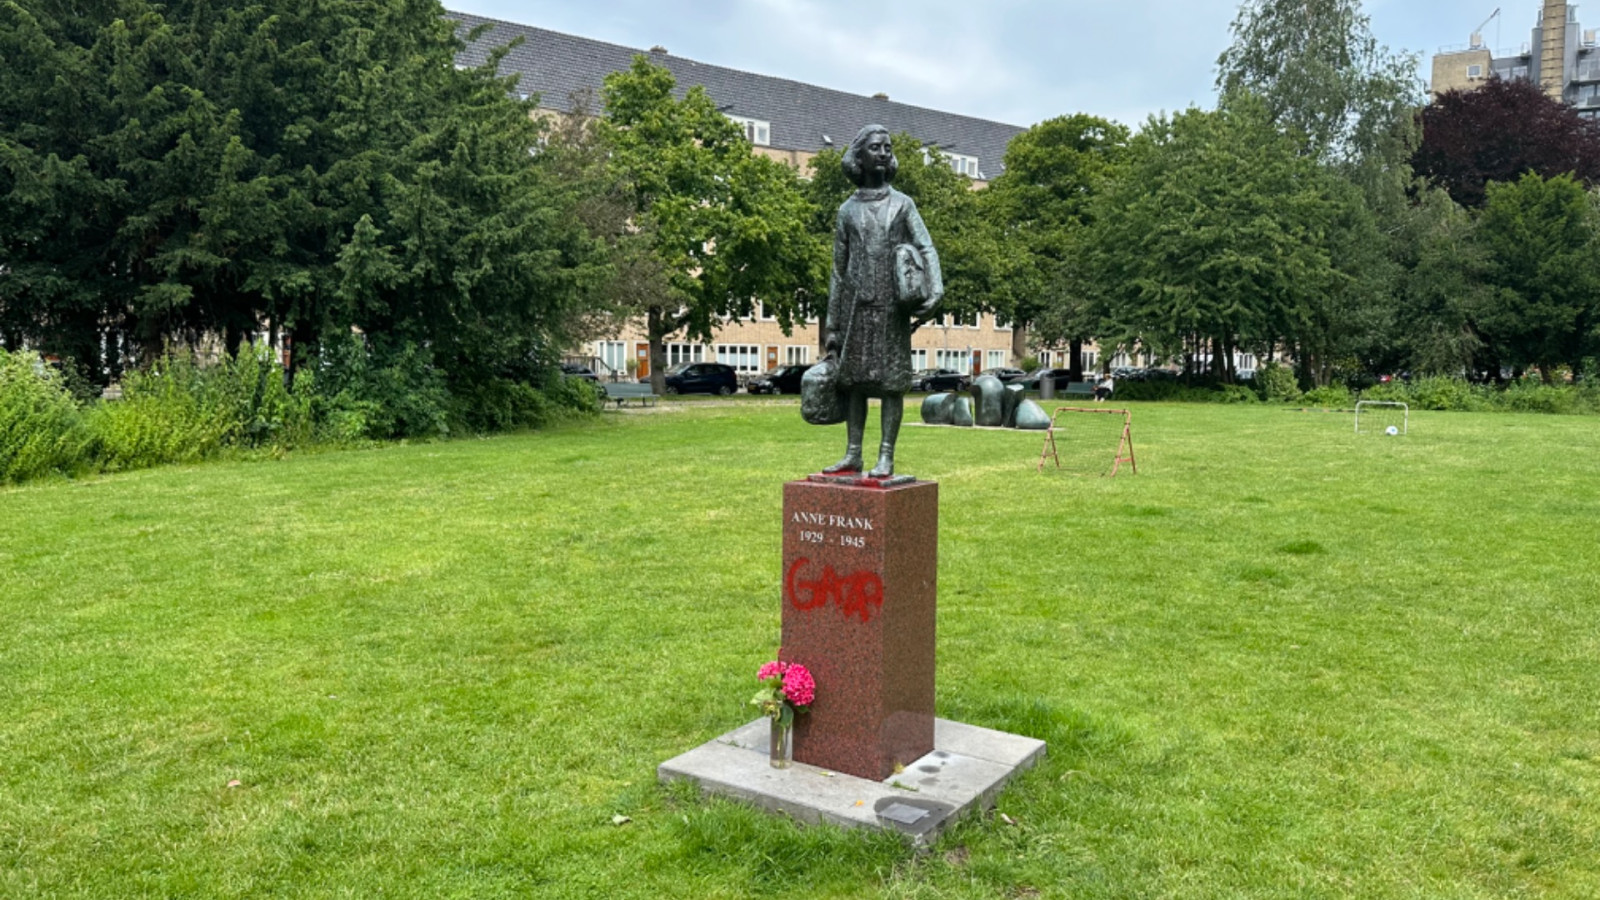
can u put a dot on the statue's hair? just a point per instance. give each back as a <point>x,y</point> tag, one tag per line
<point>852,164</point>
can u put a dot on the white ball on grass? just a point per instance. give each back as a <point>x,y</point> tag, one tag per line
<point>1391,430</point>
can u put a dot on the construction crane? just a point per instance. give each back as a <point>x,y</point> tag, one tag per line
<point>1477,33</point>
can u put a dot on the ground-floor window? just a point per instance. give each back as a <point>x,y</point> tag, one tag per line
<point>995,359</point>
<point>613,355</point>
<point>951,359</point>
<point>743,357</point>
<point>919,360</point>
<point>679,352</point>
<point>796,356</point>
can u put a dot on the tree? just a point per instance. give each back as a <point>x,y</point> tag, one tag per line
<point>1217,236</point>
<point>1324,76</point>
<point>1499,132</point>
<point>1544,267</point>
<point>1041,205</point>
<point>969,256</point>
<point>198,167</point>
<point>729,227</point>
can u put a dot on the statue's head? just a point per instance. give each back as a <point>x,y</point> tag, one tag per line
<point>868,149</point>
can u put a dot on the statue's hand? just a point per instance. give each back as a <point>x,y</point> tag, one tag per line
<point>926,310</point>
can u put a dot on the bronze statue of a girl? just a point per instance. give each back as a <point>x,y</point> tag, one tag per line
<point>886,281</point>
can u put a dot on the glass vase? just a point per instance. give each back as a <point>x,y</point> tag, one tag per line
<point>781,749</point>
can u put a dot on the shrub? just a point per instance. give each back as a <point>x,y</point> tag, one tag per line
<point>1276,383</point>
<point>379,390</point>
<point>1335,396</point>
<point>1236,393</point>
<point>171,412</point>
<point>1531,396</point>
<point>41,429</point>
<point>1453,394</point>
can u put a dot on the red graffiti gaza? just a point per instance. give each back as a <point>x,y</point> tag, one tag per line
<point>857,594</point>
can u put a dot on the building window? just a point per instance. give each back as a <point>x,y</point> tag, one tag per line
<point>1001,323</point>
<point>995,359</point>
<point>1089,357</point>
<point>679,352</point>
<point>952,359</point>
<point>796,356</point>
<point>613,355</point>
<point>755,131</point>
<point>919,360</point>
<point>1474,71</point>
<point>762,314</point>
<point>743,357</point>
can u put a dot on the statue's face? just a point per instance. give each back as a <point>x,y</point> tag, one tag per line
<point>877,153</point>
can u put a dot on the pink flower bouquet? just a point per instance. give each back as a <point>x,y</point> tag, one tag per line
<point>786,688</point>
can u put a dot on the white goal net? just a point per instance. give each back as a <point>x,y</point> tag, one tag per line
<point>1382,417</point>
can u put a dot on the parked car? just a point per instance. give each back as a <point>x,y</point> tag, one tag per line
<point>782,380</point>
<point>1030,382</point>
<point>579,371</point>
<point>1004,373</point>
<point>939,380</point>
<point>700,378</point>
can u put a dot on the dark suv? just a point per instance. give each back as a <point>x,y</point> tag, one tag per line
<point>700,378</point>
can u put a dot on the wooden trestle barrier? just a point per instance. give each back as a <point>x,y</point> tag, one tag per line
<point>1049,449</point>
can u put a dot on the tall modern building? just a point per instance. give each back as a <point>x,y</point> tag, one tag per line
<point>1560,55</point>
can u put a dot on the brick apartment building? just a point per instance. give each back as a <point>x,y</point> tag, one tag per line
<point>788,121</point>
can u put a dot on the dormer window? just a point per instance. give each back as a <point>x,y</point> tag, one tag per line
<point>755,131</point>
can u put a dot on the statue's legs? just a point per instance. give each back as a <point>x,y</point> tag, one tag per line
<point>894,406</point>
<point>856,426</point>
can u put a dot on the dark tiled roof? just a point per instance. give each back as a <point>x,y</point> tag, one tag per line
<point>555,65</point>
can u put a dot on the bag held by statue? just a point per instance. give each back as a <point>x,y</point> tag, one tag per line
<point>821,402</point>
<point>910,277</point>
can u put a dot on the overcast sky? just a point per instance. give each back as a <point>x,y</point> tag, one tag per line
<point>1014,61</point>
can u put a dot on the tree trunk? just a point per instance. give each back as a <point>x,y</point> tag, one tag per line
<point>656,332</point>
<point>1544,374</point>
<point>1019,343</point>
<point>1075,360</point>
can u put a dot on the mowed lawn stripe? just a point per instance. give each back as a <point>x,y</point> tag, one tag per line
<point>1283,660</point>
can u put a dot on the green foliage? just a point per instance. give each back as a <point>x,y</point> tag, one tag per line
<point>181,169</point>
<point>1221,234</point>
<point>728,227</point>
<point>1325,76</point>
<point>504,405</point>
<point>1540,237</point>
<point>1041,205</point>
<point>1277,383</point>
<point>173,412</point>
<point>1333,396</point>
<point>41,430</point>
<point>379,390</point>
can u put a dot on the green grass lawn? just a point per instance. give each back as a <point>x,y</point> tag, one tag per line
<point>1281,661</point>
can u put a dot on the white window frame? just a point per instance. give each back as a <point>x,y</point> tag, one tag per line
<point>756,131</point>
<point>919,359</point>
<point>994,358</point>
<point>606,350</point>
<point>797,355</point>
<point>761,312</point>
<point>745,358</point>
<point>680,352</point>
<point>1475,71</point>
<point>955,360</point>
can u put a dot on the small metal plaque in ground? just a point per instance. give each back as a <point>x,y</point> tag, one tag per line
<point>905,815</point>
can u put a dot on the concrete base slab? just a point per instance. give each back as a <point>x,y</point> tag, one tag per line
<point>966,770</point>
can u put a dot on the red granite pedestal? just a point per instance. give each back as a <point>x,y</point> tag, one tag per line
<point>860,567</point>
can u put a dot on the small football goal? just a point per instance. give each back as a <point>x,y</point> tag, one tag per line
<point>1382,417</point>
<point>1096,443</point>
